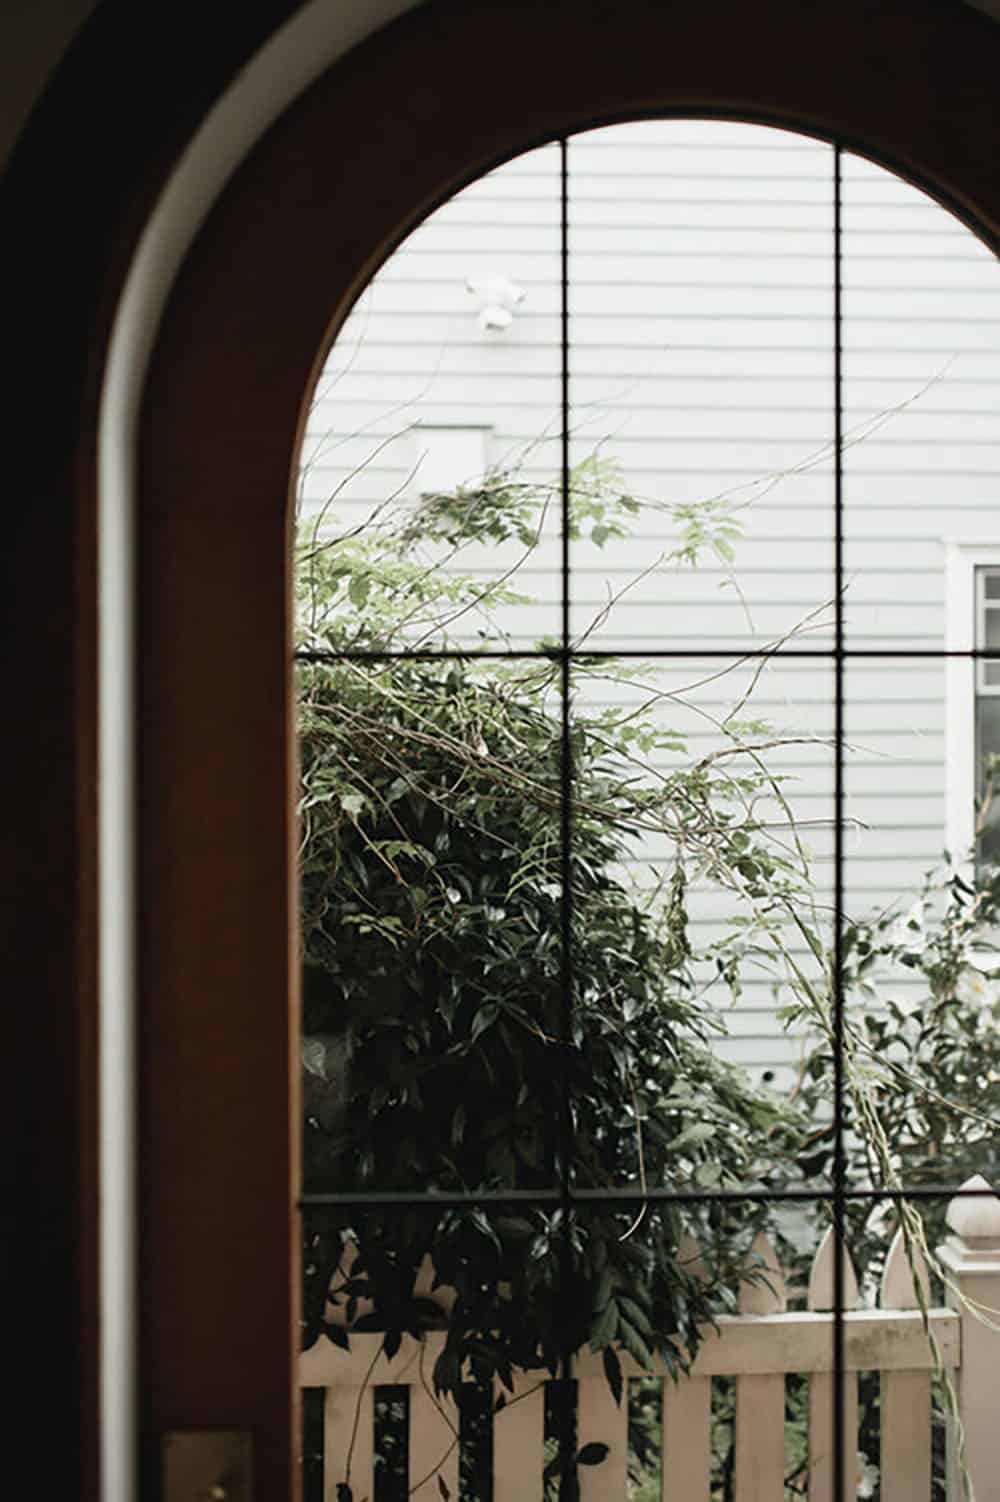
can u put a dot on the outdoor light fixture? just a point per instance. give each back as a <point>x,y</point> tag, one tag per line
<point>498,296</point>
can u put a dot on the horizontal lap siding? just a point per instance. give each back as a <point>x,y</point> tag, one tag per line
<point>701,360</point>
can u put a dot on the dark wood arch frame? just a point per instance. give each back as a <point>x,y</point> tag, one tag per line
<point>300,229</point>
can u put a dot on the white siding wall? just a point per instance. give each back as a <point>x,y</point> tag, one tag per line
<point>702,360</point>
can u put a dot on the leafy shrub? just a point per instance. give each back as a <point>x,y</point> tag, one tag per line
<point>453,902</point>
<point>922,1003</point>
<point>473,955</point>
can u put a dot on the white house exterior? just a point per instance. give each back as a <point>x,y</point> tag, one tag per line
<point>701,359</point>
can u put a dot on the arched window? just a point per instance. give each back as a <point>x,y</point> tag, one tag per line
<point>623,687</point>
<point>220,437</point>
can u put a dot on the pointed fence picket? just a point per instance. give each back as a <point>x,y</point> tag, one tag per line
<point>905,1397</point>
<point>519,1439</point>
<point>758,1347</point>
<point>821,1297</point>
<point>687,1415</point>
<point>600,1417</point>
<point>349,1434</point>
<point>760,1400</point>
<point>687,1439</point>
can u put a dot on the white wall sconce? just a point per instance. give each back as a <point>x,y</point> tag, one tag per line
<point>497,296</point>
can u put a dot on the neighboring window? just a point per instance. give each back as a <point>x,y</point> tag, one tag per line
<point>987,826</point>
<point>446,458</point>
<point>973,700</point>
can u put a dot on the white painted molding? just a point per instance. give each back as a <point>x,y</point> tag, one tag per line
<point>963,555</point>
<point>295,56</point>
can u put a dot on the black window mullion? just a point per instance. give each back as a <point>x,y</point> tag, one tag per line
<point>631,1199</point>
<point>839,1151</point>
<point>566,764</point>
<point>566,1417</point>
<point>657,654</point>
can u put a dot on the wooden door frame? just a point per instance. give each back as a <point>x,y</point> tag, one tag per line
<point>318,204</point>
<point>79,188</point>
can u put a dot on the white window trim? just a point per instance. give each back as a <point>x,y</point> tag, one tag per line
<point>314,39</point>
<point>962,557</point>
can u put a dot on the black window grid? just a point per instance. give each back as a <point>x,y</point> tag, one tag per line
<point>839,1194</point>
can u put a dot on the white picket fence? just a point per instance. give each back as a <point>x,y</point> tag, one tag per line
<point>758,1347</point>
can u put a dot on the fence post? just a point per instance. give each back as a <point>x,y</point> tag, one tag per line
<point>971,1259</point>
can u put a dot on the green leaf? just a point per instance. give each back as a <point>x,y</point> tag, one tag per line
<point>609,1278</point>
<point>635,1345</point>
<point>482,1225</point>
<point>483,1019</point>
<point>694,1135</point>
<point>604,1326</point>
<point>359,588</point>
<point>613,1372</point>
<point>514,1225</point>
<point>637,1316</point>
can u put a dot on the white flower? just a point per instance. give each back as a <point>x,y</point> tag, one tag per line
<point>867,1479</point>
<point>972,988</point>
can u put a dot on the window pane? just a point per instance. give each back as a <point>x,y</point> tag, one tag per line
<point>921,391</point>
<point>988,779</point>
<point>701,386</point>
<point>703,917</point>
<point>921,970</point>
<point>991,622</point>
<point>431,903</point>
<point>428,512</point>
